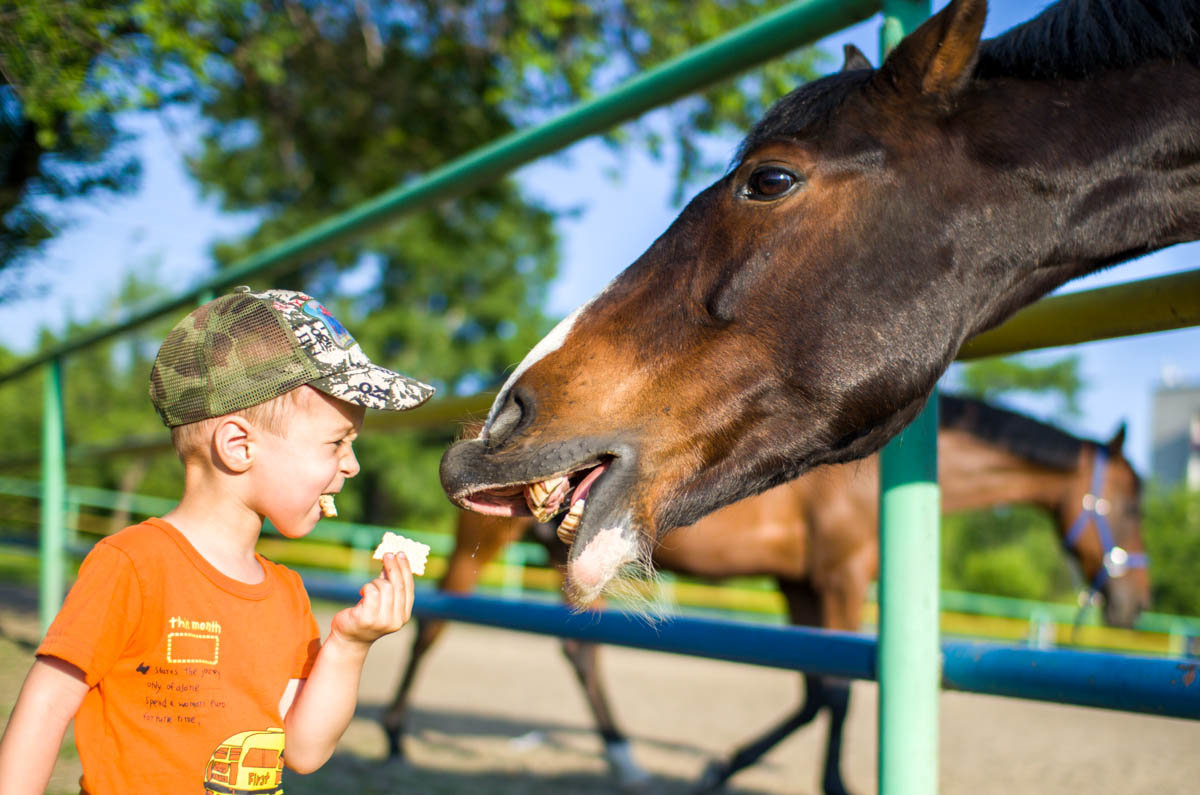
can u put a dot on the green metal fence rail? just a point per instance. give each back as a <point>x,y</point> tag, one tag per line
<point>1164,303</point>
<point>364,537</point>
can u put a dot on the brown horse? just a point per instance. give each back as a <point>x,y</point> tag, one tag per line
<point>816,536</point>
<point>801,309</point>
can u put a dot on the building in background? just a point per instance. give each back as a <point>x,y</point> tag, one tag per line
<point>1175,447</point>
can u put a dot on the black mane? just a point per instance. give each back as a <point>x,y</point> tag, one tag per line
<point>1020,435</point>
<point>1073,39</point>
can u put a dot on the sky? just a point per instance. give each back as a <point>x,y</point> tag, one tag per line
<point>168,222</point>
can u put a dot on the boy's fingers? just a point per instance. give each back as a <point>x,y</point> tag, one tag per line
<point>409,591</point>
<point>370,600</point>
<point>399,574</point>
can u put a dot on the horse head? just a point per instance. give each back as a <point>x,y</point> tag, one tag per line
<point>1101,514</point>
<point>800,310</point>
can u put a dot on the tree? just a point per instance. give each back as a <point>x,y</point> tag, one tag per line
<point>988,379</point>
<point>376,94</point>
<point>1171,529</point>
<point>67,69</point>
<point>309,108</point>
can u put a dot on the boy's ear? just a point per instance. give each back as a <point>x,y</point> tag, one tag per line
<point>232,443</point>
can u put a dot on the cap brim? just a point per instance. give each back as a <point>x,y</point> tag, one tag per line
<point>375,388</point>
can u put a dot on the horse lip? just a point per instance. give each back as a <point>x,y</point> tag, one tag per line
<point>470,469</point>
<point>608,503</point>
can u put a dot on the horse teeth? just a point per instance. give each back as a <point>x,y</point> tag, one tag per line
<point>536,495</point>
<point>541,514</point>
<point>570,523</point>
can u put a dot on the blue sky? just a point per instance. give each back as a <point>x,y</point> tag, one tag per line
<point>169,222</point>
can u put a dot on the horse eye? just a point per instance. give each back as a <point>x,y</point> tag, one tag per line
<point>770,182</point>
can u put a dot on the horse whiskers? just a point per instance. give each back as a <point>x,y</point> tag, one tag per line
<point>639,587</point>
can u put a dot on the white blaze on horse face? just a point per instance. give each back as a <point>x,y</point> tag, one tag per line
<point>547,345</point>
<point>606,552</point>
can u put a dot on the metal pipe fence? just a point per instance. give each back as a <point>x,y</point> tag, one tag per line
<point>1149,685</point>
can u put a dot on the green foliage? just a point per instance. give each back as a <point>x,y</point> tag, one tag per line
<point>66,70</point>
<point>455,73</point>
<point>105,401</point>
<point>1171,530</point>
<point>310,108</point>
<point>1007,551</point>
<point>375,95</point>
<point>988,378</point>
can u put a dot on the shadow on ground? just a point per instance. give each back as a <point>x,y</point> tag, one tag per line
<point>348,772</point>
<point>463,766</point>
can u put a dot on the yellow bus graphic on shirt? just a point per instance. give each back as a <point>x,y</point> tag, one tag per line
<point>248,763</point>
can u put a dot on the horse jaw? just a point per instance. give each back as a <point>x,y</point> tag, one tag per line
<point>597,563</point>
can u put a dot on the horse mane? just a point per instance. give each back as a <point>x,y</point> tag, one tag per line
<point>1020,435</point>
<point>1074,39</point>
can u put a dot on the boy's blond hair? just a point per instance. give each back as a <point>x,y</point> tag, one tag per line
<point>191,439</point>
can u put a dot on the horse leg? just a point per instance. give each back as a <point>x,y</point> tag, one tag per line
<point>843,590</point>
<point>718,772</point>
<point>803,609</point>
<point>818,692</point>
<point>394,718</point>
<point>477,540</point>
<point>836,694</point>
<point>582,656</point>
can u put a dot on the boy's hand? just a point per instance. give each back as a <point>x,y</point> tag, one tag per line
<point>385,607</point>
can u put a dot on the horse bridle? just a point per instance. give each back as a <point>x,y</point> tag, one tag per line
<point>1117,561</point>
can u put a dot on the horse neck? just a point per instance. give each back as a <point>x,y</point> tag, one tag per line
<point>975,474</point>
<point>1085,173</point>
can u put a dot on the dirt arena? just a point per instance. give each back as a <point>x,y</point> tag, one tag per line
<point>500,713</point>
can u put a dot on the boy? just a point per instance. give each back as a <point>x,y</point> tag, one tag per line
<point>184,657</point>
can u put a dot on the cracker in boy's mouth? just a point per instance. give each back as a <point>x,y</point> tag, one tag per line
<point>327,505</point>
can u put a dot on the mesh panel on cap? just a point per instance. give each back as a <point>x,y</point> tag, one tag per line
<point>252,358</point>
<point>230,354</point>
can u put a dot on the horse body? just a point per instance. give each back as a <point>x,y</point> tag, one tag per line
<point>817,536</point>
<point>800,310</point>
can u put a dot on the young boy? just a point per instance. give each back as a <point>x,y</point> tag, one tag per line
<point>184,657</point>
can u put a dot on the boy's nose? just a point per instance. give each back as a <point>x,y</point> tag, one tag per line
<point>350,465</point>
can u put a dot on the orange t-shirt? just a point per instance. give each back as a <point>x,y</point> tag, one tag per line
<point>186,666</point>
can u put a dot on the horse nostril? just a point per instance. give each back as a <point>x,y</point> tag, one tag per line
<point>512,416</point>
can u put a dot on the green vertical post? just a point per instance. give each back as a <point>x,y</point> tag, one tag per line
<point>909,647</point>
<point>900,17</point>
<point>52,538</point>
<point>909,558</point>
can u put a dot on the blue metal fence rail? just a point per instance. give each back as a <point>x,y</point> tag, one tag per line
<point>1149,685</point>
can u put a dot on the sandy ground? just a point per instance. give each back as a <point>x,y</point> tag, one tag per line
<point>500,712</point>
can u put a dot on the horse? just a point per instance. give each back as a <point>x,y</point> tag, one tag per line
<point>800,310</point>
<point>816,536</point>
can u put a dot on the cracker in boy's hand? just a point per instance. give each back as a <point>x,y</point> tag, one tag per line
<point>416,552</point>
<point>327,505</point>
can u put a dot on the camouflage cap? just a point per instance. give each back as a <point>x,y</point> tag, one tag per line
<point>246,348</point>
